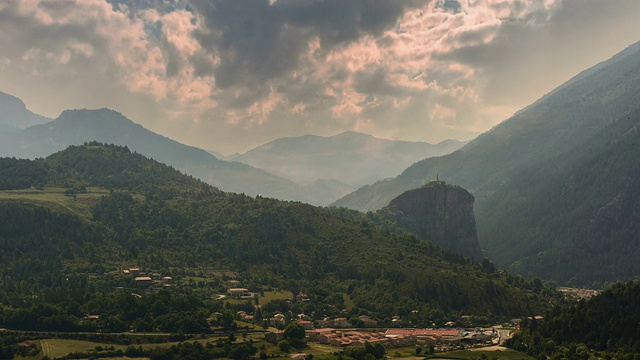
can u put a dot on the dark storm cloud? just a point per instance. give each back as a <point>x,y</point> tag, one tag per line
<point>256,41</point>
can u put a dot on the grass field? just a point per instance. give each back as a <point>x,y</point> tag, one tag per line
<point>507,354</point>
<point>55,198</point>
<point>61,347</point>
<point>348,303</point>
<point>275,295</point>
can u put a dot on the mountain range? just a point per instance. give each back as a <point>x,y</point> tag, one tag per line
<point>352,158</point>
<point>555,183</point>
<point>322,185</point>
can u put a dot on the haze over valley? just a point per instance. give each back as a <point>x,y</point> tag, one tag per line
<point>317,179</point>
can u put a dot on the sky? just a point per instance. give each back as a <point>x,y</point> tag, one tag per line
<point>230,75</point>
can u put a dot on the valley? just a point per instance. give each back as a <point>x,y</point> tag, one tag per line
<point>319,180</point>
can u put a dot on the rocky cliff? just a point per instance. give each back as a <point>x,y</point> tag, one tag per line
<point>438,212</point>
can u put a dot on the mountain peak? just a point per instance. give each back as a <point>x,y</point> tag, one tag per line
<point>103,114</point>
<point>12,101</point>
<point>14,112</point>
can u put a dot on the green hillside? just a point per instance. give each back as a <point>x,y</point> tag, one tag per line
<point>58,266</point>
<point>595,190</point>
<point>606,326</point>
<point>519,172</point>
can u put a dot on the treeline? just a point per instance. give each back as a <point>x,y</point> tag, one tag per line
<point>606,326</point>
<point>55,266</point>
<point>97,164</point>
<point>119,311</point>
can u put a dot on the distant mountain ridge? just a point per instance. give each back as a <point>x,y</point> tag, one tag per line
<point>518,225</point>
<point>327,175</point>
<point>74,127</point>
<point>352,158</point>
<point>15,113</point>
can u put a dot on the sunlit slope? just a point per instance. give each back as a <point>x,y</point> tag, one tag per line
<point>559,131</point>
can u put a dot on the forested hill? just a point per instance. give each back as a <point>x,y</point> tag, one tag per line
<point>606,326</point>
<point>543,178</point>
<point>94,164</point>
<point>74,127</point>
<point>119,209</point>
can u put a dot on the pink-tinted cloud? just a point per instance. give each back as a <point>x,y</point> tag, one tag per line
<point>419,70</point>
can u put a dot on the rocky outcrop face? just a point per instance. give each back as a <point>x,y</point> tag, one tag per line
<point>441,213</point>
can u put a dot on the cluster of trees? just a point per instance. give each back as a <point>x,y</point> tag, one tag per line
<point>54,264</point>
<point>367,352</point>
<point>119,311</point>
<point>21,174</point>
<point>606,326</point>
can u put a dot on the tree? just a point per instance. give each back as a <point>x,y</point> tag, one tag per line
<point>378,350</point>
<point>284,345</point>
<point>294,332</point>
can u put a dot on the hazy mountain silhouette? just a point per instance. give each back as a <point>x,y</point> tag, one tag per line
<point>74,127</point>
<point>15,113</point>
<point>351,158</point>
<point>555,136</point>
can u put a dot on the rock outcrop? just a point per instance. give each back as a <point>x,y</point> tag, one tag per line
<point>438,212</point>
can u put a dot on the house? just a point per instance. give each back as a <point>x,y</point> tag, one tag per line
<point>315,334</point>
<point>244,316</point>
<point>143,279</point>
<point>340,322</point>
<point>26,344</point>
<point>335,341</point>
<point>239,293</point>
<point>324,323</point>
<point>300,356</point>
<point>367,321</point>
<point>325,338</point>
<point>277,319</point>
<point>274,336</point>
<point>306,324</point>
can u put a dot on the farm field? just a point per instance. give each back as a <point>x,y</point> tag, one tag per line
<point>56,198</point>
<point>506,354</point>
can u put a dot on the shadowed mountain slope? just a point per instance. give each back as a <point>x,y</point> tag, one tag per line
<point>554,135</point>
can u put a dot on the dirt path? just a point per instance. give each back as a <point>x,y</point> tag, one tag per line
<point>491,348</point>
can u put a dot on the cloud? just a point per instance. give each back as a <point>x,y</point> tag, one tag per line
<point>208,71</point>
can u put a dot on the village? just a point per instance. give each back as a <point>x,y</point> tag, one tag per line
<point>445,339</point>
<point>340,332</point>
